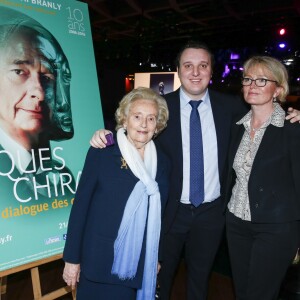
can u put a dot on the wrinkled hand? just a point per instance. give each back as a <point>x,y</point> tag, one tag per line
<point>293,115</point>
<point>98,140</point>
<point>71,274</point>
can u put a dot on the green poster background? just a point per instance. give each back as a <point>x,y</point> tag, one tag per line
<point>37,229</point>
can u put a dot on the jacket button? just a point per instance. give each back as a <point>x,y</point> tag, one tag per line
<point>261,189</point>
<point>256,205</point>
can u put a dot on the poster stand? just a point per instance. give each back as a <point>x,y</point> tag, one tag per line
<point>35,279</point>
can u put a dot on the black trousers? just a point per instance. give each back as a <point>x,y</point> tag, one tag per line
<point>260,255</point>
<point>197,233</point>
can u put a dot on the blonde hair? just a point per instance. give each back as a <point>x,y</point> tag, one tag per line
<point>146,94</point>
<point>277,70</point>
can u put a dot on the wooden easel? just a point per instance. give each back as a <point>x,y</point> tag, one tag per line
<point>35,279</point>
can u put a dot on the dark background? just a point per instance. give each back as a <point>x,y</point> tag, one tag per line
<point>144,36</point>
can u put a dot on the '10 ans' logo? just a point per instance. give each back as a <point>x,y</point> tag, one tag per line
<point>75,21</point>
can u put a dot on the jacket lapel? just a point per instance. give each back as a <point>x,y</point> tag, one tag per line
<point>222,125</point>
<point>120,161</point>
<point>269,138</point>
<point>236,137</point>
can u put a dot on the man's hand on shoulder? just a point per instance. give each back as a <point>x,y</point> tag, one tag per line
<point>293,115</point>
<point>98,140</point>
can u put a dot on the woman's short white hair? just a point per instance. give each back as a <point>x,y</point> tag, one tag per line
<point>146,94</point>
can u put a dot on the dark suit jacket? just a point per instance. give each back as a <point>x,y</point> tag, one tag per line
<point>274,183</point>
<point>224,108</point>
<point>97,212</point>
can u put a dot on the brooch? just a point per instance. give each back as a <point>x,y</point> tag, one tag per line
<point>124,164</point>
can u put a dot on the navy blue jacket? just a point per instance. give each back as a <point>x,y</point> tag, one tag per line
<point>97,212</point>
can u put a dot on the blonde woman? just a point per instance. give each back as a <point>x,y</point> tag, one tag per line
<point>264,169</point>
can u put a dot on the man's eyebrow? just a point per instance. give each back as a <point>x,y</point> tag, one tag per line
<point>191,62</point>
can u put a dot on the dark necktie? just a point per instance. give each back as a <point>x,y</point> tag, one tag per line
<point>196,156</point>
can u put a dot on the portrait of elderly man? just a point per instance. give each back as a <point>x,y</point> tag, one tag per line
<point>34,107</point>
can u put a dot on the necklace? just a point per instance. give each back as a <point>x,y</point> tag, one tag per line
<point>254,129</point>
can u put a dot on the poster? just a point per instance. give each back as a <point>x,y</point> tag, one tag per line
<point>49,108</point>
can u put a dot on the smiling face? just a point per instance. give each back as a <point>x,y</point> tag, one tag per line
<point>195,72</point>
<point>141,122</point>
<point>27,85</point>
<point>259,96</point>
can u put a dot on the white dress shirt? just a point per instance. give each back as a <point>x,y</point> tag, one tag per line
<point>210,148</point>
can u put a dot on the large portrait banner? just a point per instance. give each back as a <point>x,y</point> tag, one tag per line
<point>49,108</point>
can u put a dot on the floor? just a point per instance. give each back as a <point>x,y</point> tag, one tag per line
<point>220,287</point>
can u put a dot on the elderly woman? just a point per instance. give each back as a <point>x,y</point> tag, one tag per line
<point>114,226</point>
<point>264,170</point>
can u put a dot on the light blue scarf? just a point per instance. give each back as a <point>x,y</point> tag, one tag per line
<point>128,245</point>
